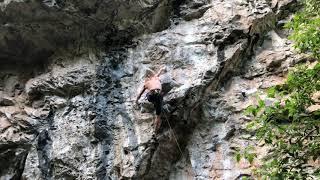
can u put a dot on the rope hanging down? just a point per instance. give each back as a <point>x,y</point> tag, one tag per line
<point>174,136</point>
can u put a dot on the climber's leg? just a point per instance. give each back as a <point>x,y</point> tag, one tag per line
<point>157,123</point>
<point>158,107</point>
<point>155,97</point>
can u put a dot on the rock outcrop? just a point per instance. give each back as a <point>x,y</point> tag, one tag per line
<point>32,31</point>
<point>67,110</point>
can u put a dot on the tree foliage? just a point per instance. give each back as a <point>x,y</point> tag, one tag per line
<point>305,27</point>
<point>291,132</point>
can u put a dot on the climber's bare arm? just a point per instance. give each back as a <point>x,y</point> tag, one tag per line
<point>140,94</point>
<point>160,71</point>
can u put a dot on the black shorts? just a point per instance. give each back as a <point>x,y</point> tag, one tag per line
<point>155,97</point>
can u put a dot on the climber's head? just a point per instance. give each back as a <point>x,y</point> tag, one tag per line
<point>149,73</point>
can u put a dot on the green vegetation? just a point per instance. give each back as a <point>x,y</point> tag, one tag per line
<point>248,154</point>
<point>287,127</point>
<point>306,28</point>
<point>292,133</point>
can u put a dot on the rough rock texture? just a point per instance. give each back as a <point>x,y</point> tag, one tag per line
<point>32,30</point>
<point>71,115</point>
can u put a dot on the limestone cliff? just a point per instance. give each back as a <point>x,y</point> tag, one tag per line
<point>70,71</point>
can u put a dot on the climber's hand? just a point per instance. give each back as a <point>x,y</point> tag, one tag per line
<point>163,69</point>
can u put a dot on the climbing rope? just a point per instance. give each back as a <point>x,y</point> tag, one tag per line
<point>174,136</point>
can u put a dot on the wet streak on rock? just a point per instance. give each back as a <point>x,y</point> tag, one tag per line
<point>44,145</point>
<point>111,110</point>
<point>43,148</point>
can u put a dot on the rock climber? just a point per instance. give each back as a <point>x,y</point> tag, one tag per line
<point>154,95</point>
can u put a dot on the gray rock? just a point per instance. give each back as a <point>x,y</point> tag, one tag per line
<point>74,115</point>
<point>33,30</point>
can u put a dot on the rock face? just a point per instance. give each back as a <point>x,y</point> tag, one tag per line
<point>31,30</point>
<point>67,109</point>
